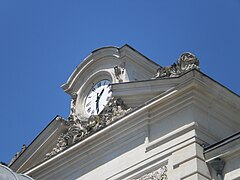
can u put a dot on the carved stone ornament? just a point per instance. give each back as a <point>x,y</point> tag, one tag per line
<point>187,61</point>
<point>72,116</point>
<point>119,71</point>
<point>160,174</point>
<point>81,127</point>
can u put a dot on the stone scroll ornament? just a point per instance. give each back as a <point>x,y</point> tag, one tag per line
<point>160,174</point>
<point>187,61</point>
<point>81,127</point>
<point>119,71</point>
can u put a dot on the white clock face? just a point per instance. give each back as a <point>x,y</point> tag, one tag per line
<point>98,97</point>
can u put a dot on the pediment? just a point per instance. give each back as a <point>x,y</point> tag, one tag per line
<point>123,64</point>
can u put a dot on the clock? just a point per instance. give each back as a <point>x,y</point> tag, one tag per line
<point>98,97</point>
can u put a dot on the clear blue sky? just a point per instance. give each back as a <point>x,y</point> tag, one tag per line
<point>41,43</point>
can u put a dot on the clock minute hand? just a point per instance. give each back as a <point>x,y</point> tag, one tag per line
<point>97,101</point>
<point>101,93</point>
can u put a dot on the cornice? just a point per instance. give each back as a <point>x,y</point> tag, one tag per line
<point>223,149</point>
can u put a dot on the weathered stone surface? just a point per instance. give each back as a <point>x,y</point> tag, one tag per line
<point>82,127</point>
<point>187,61</point>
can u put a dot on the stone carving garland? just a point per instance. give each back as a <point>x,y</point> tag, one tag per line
<point>186,62</point>
<point>160,174</point>
<point>80,128</point>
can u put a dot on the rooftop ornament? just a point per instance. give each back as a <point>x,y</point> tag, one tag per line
<point>186,62</point>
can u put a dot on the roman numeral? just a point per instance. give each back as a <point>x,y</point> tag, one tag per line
<point>108,98</point>
<point>89,109</point>
<point>88,103</point>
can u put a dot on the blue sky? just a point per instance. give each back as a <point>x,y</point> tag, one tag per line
<point>41,43</point>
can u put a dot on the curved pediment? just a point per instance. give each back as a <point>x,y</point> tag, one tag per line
<point>117,64</point>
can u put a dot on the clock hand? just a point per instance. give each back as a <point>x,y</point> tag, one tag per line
<point>97,102</point>
<point>101,93</point>
<point>97,108</point>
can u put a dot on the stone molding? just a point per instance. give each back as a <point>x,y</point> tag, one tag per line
<point>187,61</point>
<point>81,127</point>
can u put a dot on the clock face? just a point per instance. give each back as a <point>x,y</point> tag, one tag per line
<point>98,97</point>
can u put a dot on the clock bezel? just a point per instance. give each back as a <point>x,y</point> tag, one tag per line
<point>86,86</point>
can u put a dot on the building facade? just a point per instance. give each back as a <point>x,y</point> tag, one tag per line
<point>133,119</point>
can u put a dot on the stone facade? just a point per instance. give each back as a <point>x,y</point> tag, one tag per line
<point>159,123</point>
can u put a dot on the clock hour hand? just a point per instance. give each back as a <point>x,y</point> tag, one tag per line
<point>97,108</point>
<point>97,102</point>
